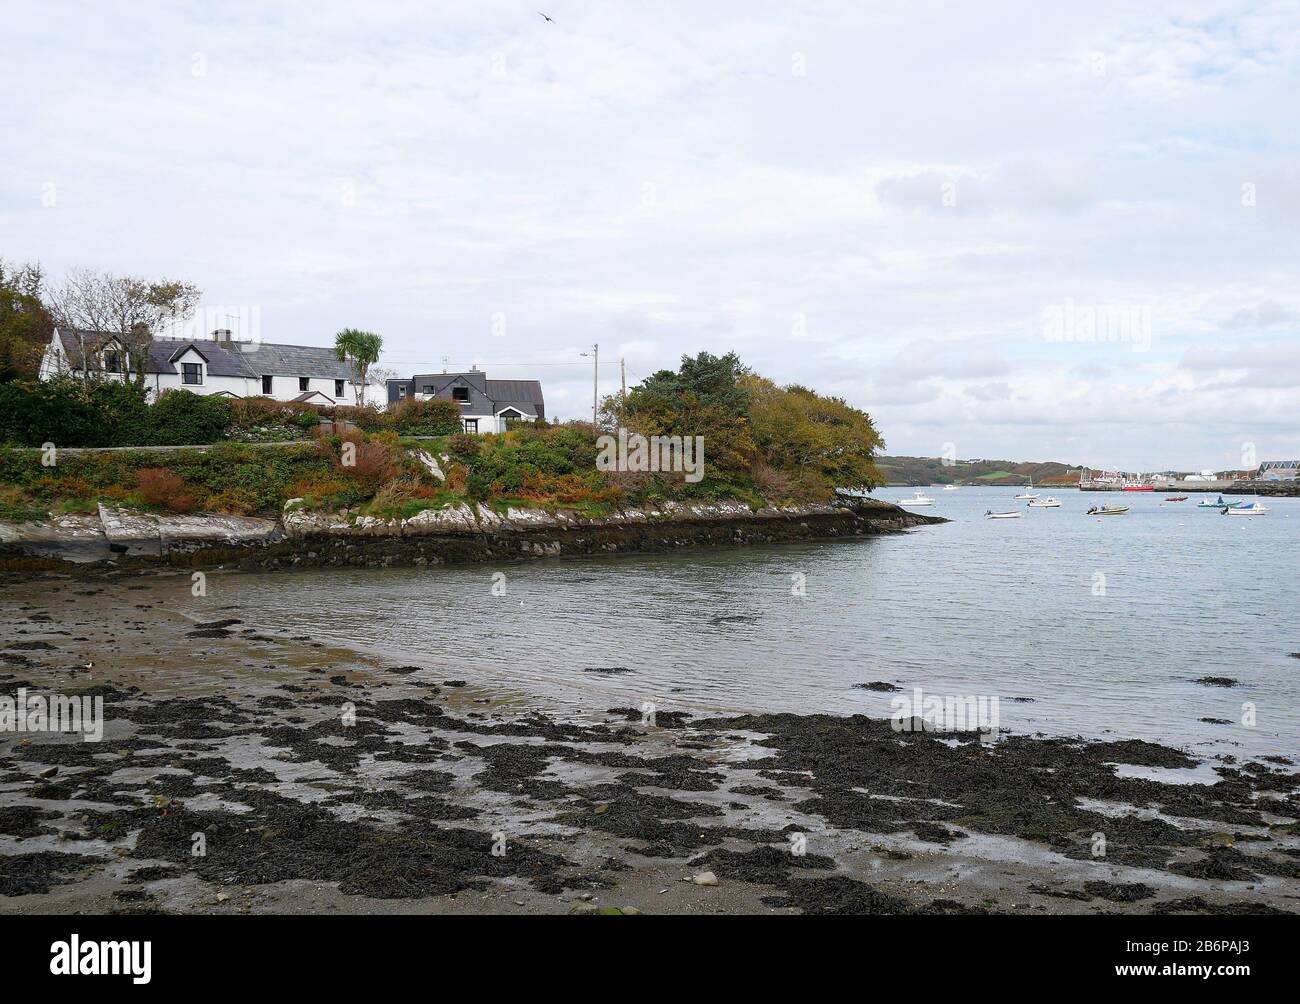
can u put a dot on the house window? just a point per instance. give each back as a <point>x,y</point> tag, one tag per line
<point>471,424</point>
<point>266,384</point>
<point>303,383</point>
<point>401,391</point>
<point>113,362</point>
<point>338,388</point>
<point>427,389</point>
<point>460,394</point>
<point>192,373</point>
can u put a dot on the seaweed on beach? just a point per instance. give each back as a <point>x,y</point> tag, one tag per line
<point>24,874</point>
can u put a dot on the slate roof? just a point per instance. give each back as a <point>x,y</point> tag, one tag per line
<point>230,359</point>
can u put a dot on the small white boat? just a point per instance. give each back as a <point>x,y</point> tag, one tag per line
<point>1247,509</point>
<point>1047,503</point>
<point>950,488</point>
<point>920,498</point>
<point>1002,515</point>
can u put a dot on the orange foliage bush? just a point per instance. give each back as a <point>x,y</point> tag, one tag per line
<point>161,487</point>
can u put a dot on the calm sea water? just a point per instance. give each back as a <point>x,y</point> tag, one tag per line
<point>1102,623</point>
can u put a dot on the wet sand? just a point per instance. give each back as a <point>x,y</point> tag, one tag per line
<point>323,780</point>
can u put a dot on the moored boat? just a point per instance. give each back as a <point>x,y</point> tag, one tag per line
<point>1177,498</point>
<point>1247,509</point>
<point>1107,510</point>
<point>920,498</point>
<point>1219,504</point>
<point>1001,515</point>
<point>1047,503</point>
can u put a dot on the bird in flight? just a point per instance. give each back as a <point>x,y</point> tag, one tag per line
<point>551,19</point>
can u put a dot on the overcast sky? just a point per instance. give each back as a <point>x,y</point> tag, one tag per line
<point>915,206</point>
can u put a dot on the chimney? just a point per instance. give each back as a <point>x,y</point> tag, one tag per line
<point>221,335</point>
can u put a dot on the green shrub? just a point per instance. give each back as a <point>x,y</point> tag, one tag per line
<point>434,417</point>
<point>124,409</point>
<point>57,412</point>
<point>181,418</point>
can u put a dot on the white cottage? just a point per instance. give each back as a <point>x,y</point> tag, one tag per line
<point>220,365</point>
<point>485,405</point>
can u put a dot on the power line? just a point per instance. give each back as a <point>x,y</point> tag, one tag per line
<point>481,362</point>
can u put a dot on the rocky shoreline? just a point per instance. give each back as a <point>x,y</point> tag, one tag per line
<point>116,539</point>
<point>321,779</point>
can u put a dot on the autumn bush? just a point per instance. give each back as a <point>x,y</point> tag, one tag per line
<point>160,487</point>
<point>260,412</point>
<point>367,464</point>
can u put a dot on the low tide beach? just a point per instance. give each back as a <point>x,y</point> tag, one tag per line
<point>248,765</point>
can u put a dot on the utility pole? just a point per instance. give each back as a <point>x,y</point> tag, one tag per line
<point>595,373</point>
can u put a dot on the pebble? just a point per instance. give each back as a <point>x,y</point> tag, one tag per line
<point>47,772</point>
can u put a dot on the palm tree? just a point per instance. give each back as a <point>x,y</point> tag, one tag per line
<point>360,349</point>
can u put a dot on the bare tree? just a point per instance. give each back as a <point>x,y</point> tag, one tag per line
<point>92,305</point>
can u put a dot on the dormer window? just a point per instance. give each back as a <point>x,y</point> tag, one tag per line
<point>460,394</point>
<point>192,374</point>
<point>113,361</point>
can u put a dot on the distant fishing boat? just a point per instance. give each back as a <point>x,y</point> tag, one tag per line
<point>1047,503</point>
<point>1177,498</point>
<point>1107,510</point>
<point>950,488</point>
<point>1002,515</point>
<point>1134,487</point>
<point>1246,509</point>
<point>920,498</point>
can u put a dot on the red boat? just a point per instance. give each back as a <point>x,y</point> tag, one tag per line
<point>1137,488</point>
<point>1177,498</point>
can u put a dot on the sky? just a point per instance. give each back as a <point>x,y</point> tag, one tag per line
<point>1006,230</point>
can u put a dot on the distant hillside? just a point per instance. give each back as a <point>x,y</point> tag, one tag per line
<point>932,471</point>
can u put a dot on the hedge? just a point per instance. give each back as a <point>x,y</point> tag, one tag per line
<point>112,413</point>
